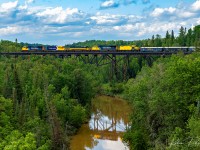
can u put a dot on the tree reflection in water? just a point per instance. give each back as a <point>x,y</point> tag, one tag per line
<point>108,121</point>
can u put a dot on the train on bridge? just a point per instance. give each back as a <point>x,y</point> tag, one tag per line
<point>108,48</point>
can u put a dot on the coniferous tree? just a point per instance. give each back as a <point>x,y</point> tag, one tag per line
<point>181,38</point>
<point>189,38</point>
<point>172,38</point>
<point>158,41</point>
<point>197,37</point>
<point>152,41</point>
<point>167,39</point>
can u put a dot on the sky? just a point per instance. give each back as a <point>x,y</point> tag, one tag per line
<point>60,22</point>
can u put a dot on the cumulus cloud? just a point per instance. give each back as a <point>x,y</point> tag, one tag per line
<point>109,4</point>
<point>177,13</point>
<point>114,3</point>
<point>196,5</point>
<point>62,22</point>
<point>29,1</point>
<point>59,15</point>
<point>107,19</point>
<point>8,7</point>
<point>185,14</point>
<point>146,28</point>
<point>159,11</point>
<point>9,30</point>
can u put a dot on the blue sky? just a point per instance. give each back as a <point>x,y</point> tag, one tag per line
<point>66,21</point>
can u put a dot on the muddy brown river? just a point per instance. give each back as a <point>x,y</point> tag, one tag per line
<point>109,120</point>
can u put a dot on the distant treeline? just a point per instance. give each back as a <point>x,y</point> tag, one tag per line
<point>185,38</point>
<point>190,37</point>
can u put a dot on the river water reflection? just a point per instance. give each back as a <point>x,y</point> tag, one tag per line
<point>109,119</point>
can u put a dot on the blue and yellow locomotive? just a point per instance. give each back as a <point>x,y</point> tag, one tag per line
<point>43,48</point>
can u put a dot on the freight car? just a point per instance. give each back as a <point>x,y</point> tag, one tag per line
<point>78,49</point>
<point>167,49</point>
<point>109,48</point>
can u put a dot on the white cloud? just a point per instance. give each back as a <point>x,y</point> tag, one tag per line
<point>29,1</point>
<point>144,28</point>
<point>196,5</point>
<point>7,7</point>
<point>58,15</point>
<point>159,11</point>
<point>107,19</point>
<point>9,30</point>
<point>109,4</point>
<point>130,27</point>
<point>185,14</point>
<point>25,6</point>
<point>198,21</point>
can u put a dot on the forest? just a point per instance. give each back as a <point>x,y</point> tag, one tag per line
<point>44,100</point>
<point>166,105</point>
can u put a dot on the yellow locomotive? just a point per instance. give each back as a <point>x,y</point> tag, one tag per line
<point>128,48</point>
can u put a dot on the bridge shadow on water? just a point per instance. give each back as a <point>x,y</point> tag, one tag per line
<point>105,129</point>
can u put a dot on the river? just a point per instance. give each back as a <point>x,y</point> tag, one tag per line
<point>109,119</point>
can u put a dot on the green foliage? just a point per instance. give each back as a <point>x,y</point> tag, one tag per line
<point>5,116</point>
<point>90,43</point>
<point>164,98</point>
<point>45,96</point>
<point>77,116</point>
<point>44,100</point>
<point>80,87</point>
<point>136,139</point>
<point>15,140</point>
<point>8,46</point>
<point>112,88</point>
<point>186,139</point>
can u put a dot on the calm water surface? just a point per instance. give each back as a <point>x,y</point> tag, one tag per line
<point>109,119</point>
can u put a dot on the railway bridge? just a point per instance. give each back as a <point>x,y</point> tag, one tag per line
<point>99,58</point>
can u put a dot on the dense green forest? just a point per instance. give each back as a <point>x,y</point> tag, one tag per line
<point>166,104</point>
<point>44,100</point>
<point>8,46</point>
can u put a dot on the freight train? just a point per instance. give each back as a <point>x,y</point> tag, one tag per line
<point>108,48</point>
